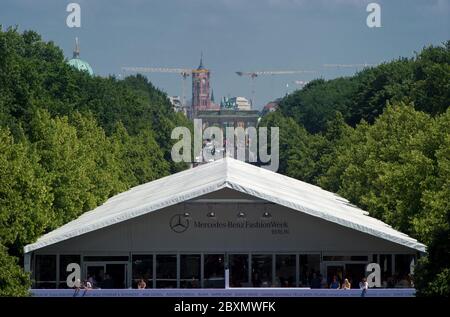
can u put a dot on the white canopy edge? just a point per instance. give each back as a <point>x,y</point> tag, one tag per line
<point>236,175</point>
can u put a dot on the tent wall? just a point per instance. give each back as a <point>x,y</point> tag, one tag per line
<point>153,233</point>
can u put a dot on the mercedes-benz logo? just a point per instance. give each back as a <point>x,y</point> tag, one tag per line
<point>179,223</point>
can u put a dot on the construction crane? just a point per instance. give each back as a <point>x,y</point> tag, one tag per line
<point>184,72</point>
<point>254,75</point>
<point>300,82</point>
<point>348,65</point>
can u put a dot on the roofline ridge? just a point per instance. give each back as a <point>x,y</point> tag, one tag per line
<point>238,175</point>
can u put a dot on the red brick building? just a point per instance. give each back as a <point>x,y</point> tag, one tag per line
<point>201,90</point>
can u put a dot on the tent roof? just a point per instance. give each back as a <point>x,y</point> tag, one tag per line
<point>226,173</point>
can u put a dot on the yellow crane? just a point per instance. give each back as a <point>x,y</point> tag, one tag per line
<point>255,74</point>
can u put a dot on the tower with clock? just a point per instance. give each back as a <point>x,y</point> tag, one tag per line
<point>201,98</point>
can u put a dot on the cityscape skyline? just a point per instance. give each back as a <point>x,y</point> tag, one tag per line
<point>235,36</point>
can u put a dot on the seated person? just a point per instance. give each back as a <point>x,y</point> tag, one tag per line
<point>335,283</point>
<point>403,283</point>
<point>346,284</point>
<point>141,284</point>
<point>108,282</point>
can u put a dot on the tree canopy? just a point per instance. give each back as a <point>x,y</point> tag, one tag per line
<point>68,142</point>
<point>380,139</point>
<point>423,80</point>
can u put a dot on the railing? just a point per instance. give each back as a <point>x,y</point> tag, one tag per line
<point>230,292</point>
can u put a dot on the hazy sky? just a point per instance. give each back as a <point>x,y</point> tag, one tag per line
<point>235,35</point>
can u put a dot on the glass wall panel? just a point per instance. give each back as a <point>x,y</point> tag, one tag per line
<point>262,270</point>
<point>354,273</point>
<point>335,275</point>
<point>95,274</point>
<point>64,261</point>
<point>385,262</point>
<point>403,266</point>
<point>214,271</point>
<point>45,271</point>
<point>190,271</point>
<point>115,276</point>
<point>238,264</point>
<point>166,271</point>
<point>285,270</point>
<point>142,269</point>
<point>310,271</point>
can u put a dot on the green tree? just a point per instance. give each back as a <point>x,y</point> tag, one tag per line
<point>25,197</point>
<point>141,160</point>
<point>13,280</point>
<point>103,166</point>
<point>291,141</point>
<point>423,80</point>
<point>431,71</point>
<point>317,102</point>
<point>69,141</point>
<point>388,166</point>
<point>432,274</point>
<point>66,162</point>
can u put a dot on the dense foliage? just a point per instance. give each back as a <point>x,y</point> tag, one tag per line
<point>69,141</point>
<point>13,280</point>
<point>423,80</point>
<point>382,140</point>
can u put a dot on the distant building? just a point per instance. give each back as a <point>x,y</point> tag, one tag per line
<point>270,107</point>
<point>238,103</point>
<point>228,118</point>
<point>242,103</point>
<point>234,112</point>
<point>201,98</point>
<point>79,63</point>
<point>224,118</point>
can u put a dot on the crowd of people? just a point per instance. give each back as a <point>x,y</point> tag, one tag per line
<point>314,280</point>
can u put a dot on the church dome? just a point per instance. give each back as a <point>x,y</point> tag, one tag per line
<point>79,63</point>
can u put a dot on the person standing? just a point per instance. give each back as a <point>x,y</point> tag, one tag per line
<point>315,281</point>
<point>324,283</point>
<point>108,282</point>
